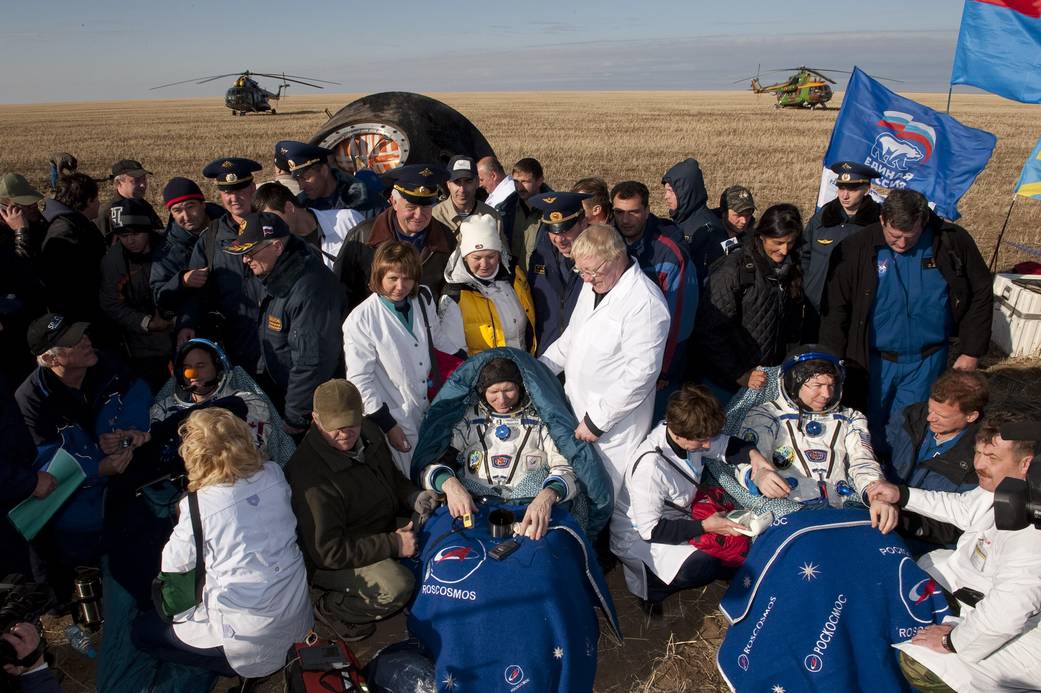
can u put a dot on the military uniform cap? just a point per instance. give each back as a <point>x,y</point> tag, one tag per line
<point>852,173</point>
<point>254,229</point>
<point>560,210</point>
<point>130,215</point>
<point>299,155</point>
<point>231,173</point>
<point>417,183</point>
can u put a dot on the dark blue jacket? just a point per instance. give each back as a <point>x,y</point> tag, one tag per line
<point>952,471</point>
<point>554,290</point>
<point>702,230</point>
<point>59,416</point>
<point>171,261</point>
<point>299,332</point>
<point>231,291</point>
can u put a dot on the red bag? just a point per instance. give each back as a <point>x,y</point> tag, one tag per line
<point>732,551</point>
<point>318,665</point>
<point>444,367</point>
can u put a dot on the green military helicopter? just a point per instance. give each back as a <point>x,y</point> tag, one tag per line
<point>806,88</point>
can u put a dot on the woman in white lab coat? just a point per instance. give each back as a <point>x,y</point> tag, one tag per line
<point>611,351</point>
<point>652,535</point>
<point>387,350</point>
<point>255,600</point>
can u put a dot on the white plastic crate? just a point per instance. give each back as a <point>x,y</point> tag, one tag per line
<point>1017,314</point>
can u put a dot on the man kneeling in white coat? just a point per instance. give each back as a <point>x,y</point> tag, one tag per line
<point>611,351</point>
<point>994,573</point>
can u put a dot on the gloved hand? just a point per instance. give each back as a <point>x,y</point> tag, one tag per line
<point>425,502</point>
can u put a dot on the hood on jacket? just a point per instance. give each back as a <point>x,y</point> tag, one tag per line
<point>52,209</point>
<point>456,271</point>
<point>688,183</point>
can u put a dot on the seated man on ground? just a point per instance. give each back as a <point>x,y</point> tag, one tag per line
<point>662,548</point>
<point>347,496</point>
<point>87,404</point>
<point>821,448</point>
<point>933,445</point>
<point>502,448</point>
<point>203,373</point>
<point>994,573</point>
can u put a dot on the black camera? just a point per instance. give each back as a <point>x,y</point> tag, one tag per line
<point>21,601</point>
<point>1017,502</point>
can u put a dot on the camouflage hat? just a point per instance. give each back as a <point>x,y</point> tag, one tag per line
<point>738,199</point>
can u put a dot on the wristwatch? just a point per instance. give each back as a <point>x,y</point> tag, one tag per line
<point>946,642</point>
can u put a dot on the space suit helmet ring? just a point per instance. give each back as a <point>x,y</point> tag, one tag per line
<point>804,363</point>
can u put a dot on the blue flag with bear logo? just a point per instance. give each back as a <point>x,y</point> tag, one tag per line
<point>910,145</point>
<point>818,604</point>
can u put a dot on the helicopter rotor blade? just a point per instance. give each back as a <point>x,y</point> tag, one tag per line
<point>193,79</point>
<point>230,74</point>
<point>287,78</point>
<point>312,79</point>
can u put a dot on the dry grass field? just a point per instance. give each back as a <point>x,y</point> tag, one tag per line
<point>738,138</point>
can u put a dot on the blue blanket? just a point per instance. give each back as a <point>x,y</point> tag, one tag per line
<point>526,623</point>
<point>435,434</point>
<point>817,604</point>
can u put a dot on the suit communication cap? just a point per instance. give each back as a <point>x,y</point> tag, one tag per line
<point>231,173</point>
<point>560,210</point>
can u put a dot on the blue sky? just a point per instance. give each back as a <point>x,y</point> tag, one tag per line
<point>75,50</point>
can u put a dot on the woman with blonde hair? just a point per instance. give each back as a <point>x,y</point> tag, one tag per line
<point>388,345</point>
<point>255,602</point>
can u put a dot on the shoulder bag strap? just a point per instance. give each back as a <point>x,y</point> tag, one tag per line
<point>434,370</point>
<point>200,564</point>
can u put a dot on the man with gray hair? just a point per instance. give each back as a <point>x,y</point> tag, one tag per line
<point>611,351</point>
<point>410,220</point>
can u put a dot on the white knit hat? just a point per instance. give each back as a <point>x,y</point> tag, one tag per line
<point>479,232</point>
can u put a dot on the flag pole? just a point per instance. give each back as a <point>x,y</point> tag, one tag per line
<point>950,89</point>
<point>993,266</point>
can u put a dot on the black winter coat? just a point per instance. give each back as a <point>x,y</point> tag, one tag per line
<point>126,298</point>
<point>70,263</point>
<point>300,336</point>
<point>346,503</point>
<point>846,323</point>
<point>750,318</point>
<point>703,232</point>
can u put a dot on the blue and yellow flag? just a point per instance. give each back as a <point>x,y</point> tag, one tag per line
<point>1029,184</point>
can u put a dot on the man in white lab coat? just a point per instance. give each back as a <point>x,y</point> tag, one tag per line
<point>611,351</point>
<point>994,573</point>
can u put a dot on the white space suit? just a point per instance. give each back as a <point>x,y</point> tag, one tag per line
<point>825,457</point>
<point>511,455</point>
